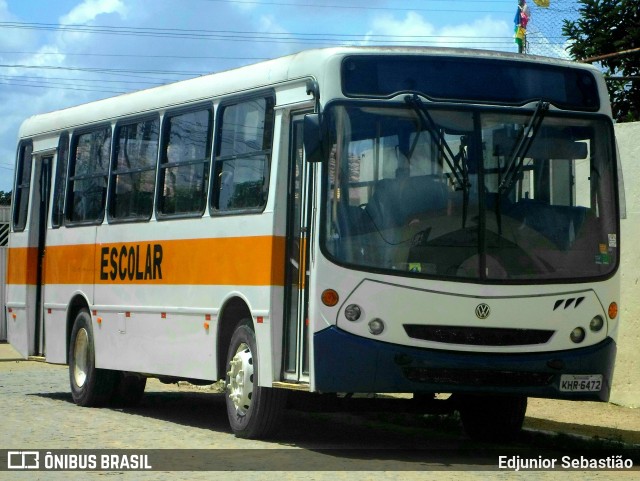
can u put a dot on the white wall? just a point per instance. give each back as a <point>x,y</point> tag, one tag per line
<point>626,381</point>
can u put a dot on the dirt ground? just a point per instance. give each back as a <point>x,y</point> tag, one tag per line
<point>604,421</point>
<point>590,419</point>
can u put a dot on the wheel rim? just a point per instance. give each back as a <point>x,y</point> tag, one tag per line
<point>80,357</point>
<point>240,375</point>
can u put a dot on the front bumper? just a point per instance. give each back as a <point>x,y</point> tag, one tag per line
<point>348,363</point>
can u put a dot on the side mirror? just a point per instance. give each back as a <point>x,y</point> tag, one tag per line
<point>312,138</point>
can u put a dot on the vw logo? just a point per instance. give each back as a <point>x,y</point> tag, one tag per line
<point>482,311</point>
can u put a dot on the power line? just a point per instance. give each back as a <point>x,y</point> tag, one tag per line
<point>300,38</point>
<point>75,79</point>
<point>361,7</point>
<point>117,55</point>
<point>107,70</point>
<point>56,86</point>
<point>236,35</point>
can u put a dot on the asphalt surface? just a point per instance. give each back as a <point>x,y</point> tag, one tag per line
<point>189,426</point>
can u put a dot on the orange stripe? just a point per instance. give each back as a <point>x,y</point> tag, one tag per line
<point>22,265</point>
<point>254,261</point>
<point>72,264</point>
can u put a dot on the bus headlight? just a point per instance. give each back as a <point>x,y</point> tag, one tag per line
<point>596,323</point>
<point>578,335</point>
<point>376,326</point>
<point>352,312</point>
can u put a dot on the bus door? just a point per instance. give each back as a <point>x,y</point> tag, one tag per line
<point>296,335</point>
<point>40,214</point>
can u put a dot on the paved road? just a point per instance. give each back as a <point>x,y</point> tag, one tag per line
<point>38,413</point>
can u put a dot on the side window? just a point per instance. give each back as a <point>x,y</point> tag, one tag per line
<point>133,176</point>
<point>243,155</point>
<point>184,163</point>
<point>57,212</point>
<point>23,186</point>
<point>88,171</point>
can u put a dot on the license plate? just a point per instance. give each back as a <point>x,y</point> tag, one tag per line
<point>580,382</point>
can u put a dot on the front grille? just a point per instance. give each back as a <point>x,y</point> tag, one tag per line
<point>478,336</point>
<point>476,377</point>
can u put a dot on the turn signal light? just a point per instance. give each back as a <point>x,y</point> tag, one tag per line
<point>329,297</point>
<point>613,310</point>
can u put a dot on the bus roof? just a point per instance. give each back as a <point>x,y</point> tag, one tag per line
<point>305,64</point>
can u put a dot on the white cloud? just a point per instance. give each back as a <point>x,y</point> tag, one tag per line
<point>13,38</point>
<point>485,32</point>
<point>245,6</point>
<point>88,10</point>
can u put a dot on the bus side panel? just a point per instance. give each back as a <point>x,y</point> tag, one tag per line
<point>68,273</point>
<point>21,287</point>
<point>161,286</point>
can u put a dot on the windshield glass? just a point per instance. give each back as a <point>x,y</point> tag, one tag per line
<point>475,194</point>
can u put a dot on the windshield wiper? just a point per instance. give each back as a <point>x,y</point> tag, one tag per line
<point>519,152</point>
<point>457,169</point>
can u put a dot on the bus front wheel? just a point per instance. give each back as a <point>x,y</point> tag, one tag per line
<point>254,412</point>
<point>492,418</point>
<point>89,386</point>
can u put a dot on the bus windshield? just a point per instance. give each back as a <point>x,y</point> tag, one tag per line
<point>476,194</point>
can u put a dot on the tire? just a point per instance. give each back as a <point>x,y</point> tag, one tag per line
<point>492,418</point>
<point>90,387</point>
<point>129,389</point>
<point>254,412</point>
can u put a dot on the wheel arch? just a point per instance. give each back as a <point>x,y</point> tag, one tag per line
<point>233,312</point>
<point>77,303</point>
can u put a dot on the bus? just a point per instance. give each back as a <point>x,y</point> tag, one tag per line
<point>351,220</point>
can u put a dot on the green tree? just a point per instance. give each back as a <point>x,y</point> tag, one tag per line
<point>610,27</point>
<point>5,198</point>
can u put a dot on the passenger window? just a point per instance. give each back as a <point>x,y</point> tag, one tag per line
<point>243,155</point>
<point>184,166</point>
<point>23,186</point>
<point>133,177</point>
<point>88,176</point>
<point>57,213</point>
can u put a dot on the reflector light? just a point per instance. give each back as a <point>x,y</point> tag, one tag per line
<point>578,335</point>
<point>596,323</point>
<point>376,326</point>
<point>329,297</point>
<point>613,310</point>
<point>353,312</point>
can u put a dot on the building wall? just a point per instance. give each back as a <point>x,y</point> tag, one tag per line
<point>626,382</point>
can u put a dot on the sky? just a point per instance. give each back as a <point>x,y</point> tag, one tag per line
<point>56,54</point>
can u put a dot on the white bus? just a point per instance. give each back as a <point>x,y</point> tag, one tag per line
<point>344,220</point>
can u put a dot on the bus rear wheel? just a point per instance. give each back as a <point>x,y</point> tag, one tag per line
<point>89,386</point>
<point>254,412</point>
<point>492,418</point>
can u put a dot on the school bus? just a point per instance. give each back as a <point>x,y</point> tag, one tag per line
<point>342,220</point>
